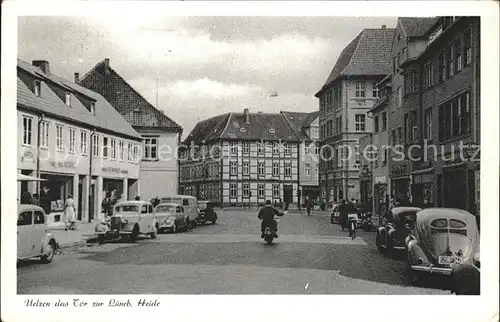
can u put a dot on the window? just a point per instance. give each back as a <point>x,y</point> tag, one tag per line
<point>233,168</point>
<point>276,148</point>
<point>113,149</point>
<point>384,121</point>
<point>288,169</point>
<point>59,138</point>
<point>407,128</point>
<point>121,147</point>
<point>150,148</point>
<point>287,148</point>
<point>454,117</point>
<point>359,120</point>
<point>400,97</point>
<point>39,218</point>
<point>400,134</point>
<point>38,88</point>
<point>27,130</point>
<point>414,123</point>
<point>95,145</point>
<point>234,148</point>
<point>442,66</point>
<point>130,152</point>
<point>307,150</point>
<point>375,123</point>
<point>458,55</point>
<point>261,148</point>
<point>384,157</point>
<point>261,168</point>
<point>339,156</point>
<point>261,191</point>
<point>316,149</point>
<point>72,138</point>
<point>246,147</point>
<point>135,153</point>
<point>393,137</point>
<point>428,124</point>
<point>92,108</point>
<point>44,134</point>
<point>246,168</point>
<point>276,190</point>
<point>276,169</point>
<point>68,99</point>
<point>376,90</point>
<point>360,89</point>
<point>233,190</point>
<point>307,169</point>
<point>246,190</point>
<point>105,147</point>
<point>25,218</point>
<point>451,63</point>
<point>468,46</point>
<point>429,75</point>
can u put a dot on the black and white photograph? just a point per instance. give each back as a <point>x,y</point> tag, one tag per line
<point>167,149</point>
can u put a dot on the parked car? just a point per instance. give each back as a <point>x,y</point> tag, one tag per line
<point>190,205</point>
<point>445,241</point>
<point>170,216</point>
<point>34,238</point>
<point>207,212</point>
<point>132,218</point>
<point>391,235</point>
<point>335,214</point>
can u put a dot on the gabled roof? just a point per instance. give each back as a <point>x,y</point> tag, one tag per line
<point>126,103</point>
<point>300,122</point>
<point>232,126</point>
<point>368,54</point>
<point>106,119</point>
<point>416,26</point>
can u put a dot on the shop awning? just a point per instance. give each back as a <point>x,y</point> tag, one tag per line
<point>22,177</point>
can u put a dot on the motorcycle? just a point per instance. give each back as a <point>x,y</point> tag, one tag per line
<point>367,223</point>
<point>269,232</point>
<point>103,229</point>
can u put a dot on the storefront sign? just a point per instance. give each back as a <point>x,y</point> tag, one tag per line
<point>423,178</point>
<point>114,170</point>
<point>400,169</point>
<point>62,164</point>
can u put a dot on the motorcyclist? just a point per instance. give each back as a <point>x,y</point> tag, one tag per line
<point>266,214</point>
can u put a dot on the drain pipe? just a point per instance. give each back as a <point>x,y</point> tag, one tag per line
<point>91,156</point>
<point>40,120</point>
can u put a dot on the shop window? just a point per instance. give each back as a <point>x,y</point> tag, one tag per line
<point>59,138</point>
<point>27,130</point>
<point>44,134</point>
<point>261,191</point>
<point>233,190</point>
<point>359,120</point>
<point>246,168</point>
<point>288,169</point>
<point>72,140</point>
<point>150,148</point>
<point>276,190</point>
<point>95,145</point>
<point>83,143</point>
<point>234,168</point>
<point>261,168</point>
<point>246,190</point>
<point>276,169</point>
<point>25,218</point>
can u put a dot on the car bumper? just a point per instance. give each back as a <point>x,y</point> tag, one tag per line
<point>432,269</point>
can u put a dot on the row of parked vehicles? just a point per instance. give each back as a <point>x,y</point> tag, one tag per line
<point>132,219</point>
<point>440,242</point>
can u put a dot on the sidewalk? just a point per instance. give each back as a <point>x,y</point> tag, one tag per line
<point>73,238</point>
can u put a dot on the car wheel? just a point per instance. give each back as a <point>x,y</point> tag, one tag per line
<point>100,239</point>
<point>49,255</point>
<point>186,224</point>
<point>155,231</point>
<point>193,223</point>
<point>135,234</point>
<point>174,228</point>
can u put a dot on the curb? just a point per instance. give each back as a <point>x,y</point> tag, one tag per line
<point>64,248</point>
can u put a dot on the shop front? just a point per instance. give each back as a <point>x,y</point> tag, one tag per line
<point>400,180</point>
<point>422,188</point>
<point>365,185</point>
<point>380,195</point>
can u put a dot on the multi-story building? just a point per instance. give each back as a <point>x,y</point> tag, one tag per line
<point>161,135</point>
<point>409,41</point>
<point>442,85</point>
<point>75,141</point>
<point>306,127</point>
<point>244,158</point>
<point>344,100</point>
<point>367,154</point>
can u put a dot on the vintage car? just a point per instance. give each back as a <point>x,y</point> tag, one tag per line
<point>391,235</point>
<point>34,238</point>
<point>207,212</point>
<point>190,205</point>
<point>445,241</point>
<point>130,219</point>
<point>335,214</point>
<point>170,216</point>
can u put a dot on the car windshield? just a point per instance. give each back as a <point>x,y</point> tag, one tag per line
<point>165,208</point>
<point>202,205</point>
<point>127,208</point>
<point>407,216</point>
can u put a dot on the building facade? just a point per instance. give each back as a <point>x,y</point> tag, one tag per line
<point>159,171</point>
<point>243,159</point>
<point>443,86</point>
<point>348,94</point>
<point>73,139</point>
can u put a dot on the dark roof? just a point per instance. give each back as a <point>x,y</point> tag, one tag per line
<point>106,118</point>
<point>416,26</point>
<point>368,54</point>
<point>127,102</point>
<point>300,121</point>
<point>261,126</point>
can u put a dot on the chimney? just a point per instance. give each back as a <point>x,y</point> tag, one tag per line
<point>77,78</point>
<point>106,66</point>
<point>384,26</point>
<point>247,117</point>
<point>43,64</point>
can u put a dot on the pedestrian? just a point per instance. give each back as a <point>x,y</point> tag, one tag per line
<point>309,206</point>
<point>69,213</point>
<point>344,214</point>
<point>35,200</point>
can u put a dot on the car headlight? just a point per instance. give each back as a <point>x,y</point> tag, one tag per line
<point>124,221</point>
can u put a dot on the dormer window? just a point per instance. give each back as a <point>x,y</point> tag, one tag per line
<point>38,87</point>
<point>68,99</point>
<point>92,108</point>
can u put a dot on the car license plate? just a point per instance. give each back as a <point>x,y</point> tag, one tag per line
<point>448,260</point>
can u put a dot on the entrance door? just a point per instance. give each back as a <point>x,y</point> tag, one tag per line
<point>91,202</point>
<point>80,201</point>
<point>287,194</point>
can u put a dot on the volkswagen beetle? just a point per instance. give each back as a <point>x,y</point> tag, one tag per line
<point>391,235</point>
<point>445,241</point>
<point>133,218</point>
<point>170,216</point>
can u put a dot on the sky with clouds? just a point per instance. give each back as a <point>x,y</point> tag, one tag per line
<point>203,66</point>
